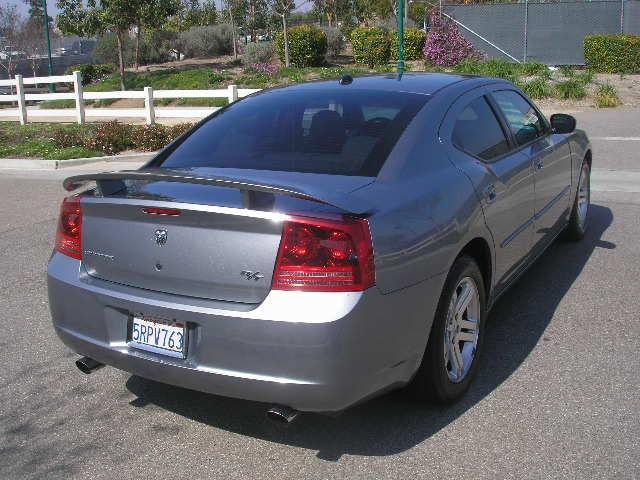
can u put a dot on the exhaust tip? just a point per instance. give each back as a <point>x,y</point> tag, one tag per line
<point>87,365</point>
<point>282,415</point>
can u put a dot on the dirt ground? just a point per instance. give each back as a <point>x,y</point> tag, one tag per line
<point>627,86</point>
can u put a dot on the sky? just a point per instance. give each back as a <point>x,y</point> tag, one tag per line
<point>302,5</point>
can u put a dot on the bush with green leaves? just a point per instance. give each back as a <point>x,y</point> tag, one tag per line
<point>209,41</point>
<point>258,53</point>
<point>307,46</point>
<point>571,89</point>
<point>612,53</point>
<point>92,72</point>
<point>531,69</point>
<point>537,88</point>
<point>371,46</point>
<point>114,137</point>
<point>606,96</point>
<point>414,39</point>
<point>335,41</point>
<point>110,137</point>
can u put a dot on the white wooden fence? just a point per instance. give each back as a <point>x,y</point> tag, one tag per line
<point>150,112</point>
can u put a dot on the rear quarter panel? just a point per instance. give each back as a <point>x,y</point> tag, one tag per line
<point>426,209</point>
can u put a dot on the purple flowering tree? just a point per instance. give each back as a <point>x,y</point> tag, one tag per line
<point>445,45</point>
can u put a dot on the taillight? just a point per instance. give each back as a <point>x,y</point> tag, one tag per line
<point>69,235</point>
<point>325,255</point>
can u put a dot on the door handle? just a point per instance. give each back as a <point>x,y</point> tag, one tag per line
<point>490,193</point>
<point>539,165</point>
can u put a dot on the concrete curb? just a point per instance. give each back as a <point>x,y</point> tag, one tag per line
<point>34,164</point>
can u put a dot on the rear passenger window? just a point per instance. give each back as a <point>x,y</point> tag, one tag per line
<point>478,132</point>
<point>524,122</point>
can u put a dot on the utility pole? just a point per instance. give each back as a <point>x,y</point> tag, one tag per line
<point>401,12</point>
<point>52,86</point>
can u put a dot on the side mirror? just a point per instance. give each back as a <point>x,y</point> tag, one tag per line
<point>562,123</point>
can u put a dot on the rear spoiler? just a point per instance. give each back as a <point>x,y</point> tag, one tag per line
<point>112,182</point>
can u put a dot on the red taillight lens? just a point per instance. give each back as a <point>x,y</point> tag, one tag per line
<point>69,235</point>
<point>325,255</point>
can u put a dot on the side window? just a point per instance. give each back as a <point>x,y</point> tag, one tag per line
<point>524,122</point>
<point>478,132</point>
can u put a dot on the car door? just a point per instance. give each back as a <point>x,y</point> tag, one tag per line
<point>551,159</point>
<point>481,146</point>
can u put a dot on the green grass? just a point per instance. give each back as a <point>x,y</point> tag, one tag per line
<point>36,140</point>
<point>571,89</point>
<point>585,77</point>
<point>49,104</point>
<point>537,88</point>
<point>606,96</point>
<point>45,149</point>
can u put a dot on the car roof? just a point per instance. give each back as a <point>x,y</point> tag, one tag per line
<point>414,82</point>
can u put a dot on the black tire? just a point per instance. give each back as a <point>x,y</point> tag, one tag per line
<point>578,224</point>
<point>432,382</point>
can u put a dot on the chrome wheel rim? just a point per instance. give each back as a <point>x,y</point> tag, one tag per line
<point>462,330</point>
<point>584,195</point>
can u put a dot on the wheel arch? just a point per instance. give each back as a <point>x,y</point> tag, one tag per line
<point>479,249</point>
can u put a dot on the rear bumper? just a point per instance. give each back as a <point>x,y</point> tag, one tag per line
<point>310,351</point>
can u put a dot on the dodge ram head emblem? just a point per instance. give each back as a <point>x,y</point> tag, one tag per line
<point>249,275</point>
<point>160,236</point>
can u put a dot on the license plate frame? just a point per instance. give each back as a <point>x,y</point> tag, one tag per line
<point>160,338</point>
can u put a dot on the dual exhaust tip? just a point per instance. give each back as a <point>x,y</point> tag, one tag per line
<point>88,365</point>
<point>277,413</point>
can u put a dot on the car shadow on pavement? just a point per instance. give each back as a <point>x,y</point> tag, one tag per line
<point>396,422</point>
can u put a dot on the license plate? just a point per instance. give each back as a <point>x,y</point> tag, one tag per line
<point>159,336</point>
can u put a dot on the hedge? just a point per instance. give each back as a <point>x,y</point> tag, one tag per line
<point>619,53</point>
<point>371,46</point>
<point>92,72</point>
<point>414,39</point>
<point>307,46</point>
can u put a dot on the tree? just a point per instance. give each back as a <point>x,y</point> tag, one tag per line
<point>236,13</point>
<point>283,8</point>
<point>36,12</point>
<point>152,15</point>
<point>10,28</point>
<point>100,17</point>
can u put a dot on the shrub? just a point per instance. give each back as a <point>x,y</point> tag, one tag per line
<point>585,77</point>
<point>537,88</point>
<point>178,129</point>
<point>490,68</point>
<point>92,72</point>
<point>613,53</point>
<point>371,46</point>
<point>570,89</point>
<point>149,138</point>
<point>208,41</point>
<point>530,69</point>
<point>262,52</point>
<point>267,68</point>
<point>307,46</point>
<point>606,96</point>
<point>414,39</point>
<point>335,41</point>
<point>106,49</point>
<point>501,69</point>
<point>445,45</point>
<point>69,137</point>
<point>110,138</point>
<point>567,71</point>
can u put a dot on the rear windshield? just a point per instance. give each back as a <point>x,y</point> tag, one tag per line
<point>342,132</point>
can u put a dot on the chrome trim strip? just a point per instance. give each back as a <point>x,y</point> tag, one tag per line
<point>190,207</point>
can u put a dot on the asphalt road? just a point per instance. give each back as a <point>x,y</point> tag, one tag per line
<point>557,396</point>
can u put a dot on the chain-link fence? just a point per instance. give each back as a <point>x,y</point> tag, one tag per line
<point>548,32</point>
